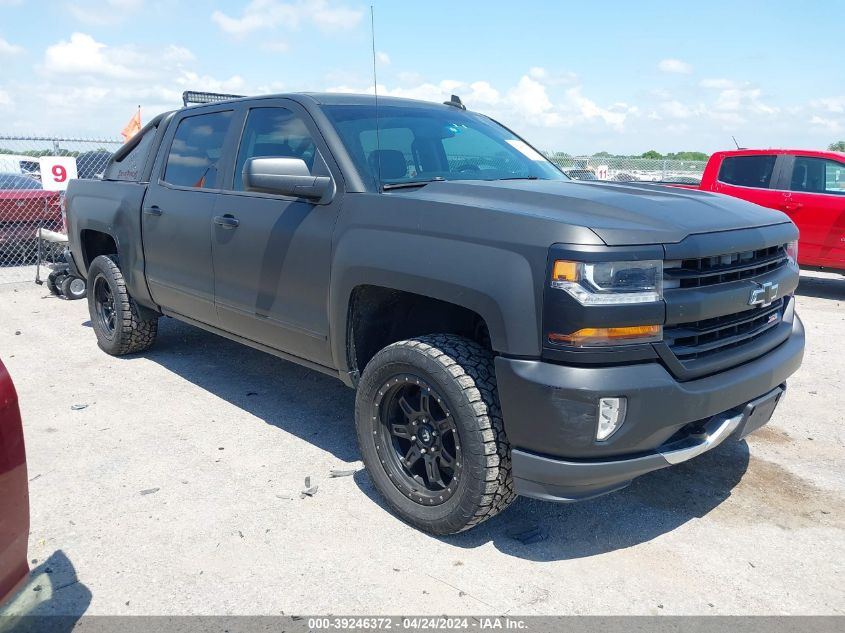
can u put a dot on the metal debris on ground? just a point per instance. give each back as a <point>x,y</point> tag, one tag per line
<point>334,472</point>
<point>78,407</point>
<point>310,490</point>
<point>150,491</point>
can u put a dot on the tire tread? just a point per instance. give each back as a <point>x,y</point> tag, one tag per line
<point>471,367</point>
<point>134,334</point>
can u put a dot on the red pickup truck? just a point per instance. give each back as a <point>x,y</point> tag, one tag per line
<point>807,185</point>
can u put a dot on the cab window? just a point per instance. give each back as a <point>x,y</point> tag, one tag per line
<point>196,150</point>
<point>277,133</point>
<point>748,171</point>
<point>818,175</point>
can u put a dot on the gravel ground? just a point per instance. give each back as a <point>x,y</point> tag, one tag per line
<point>169,483</point>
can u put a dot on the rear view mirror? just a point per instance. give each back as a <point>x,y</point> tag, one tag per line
<point>286,177</point>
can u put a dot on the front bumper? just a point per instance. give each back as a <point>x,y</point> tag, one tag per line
<point>550,418</point>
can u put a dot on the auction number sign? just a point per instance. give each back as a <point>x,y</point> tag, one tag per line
<point>57,171</point>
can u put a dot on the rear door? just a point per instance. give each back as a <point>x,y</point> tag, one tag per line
<point>751,178</point>
<point>814,198</point>
<point>272,253</point>
<point>178,210</point>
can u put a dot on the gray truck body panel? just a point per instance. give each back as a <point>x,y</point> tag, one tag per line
<point>284,280</point>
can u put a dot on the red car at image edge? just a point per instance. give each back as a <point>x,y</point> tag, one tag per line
<point>807,185</point>
<point>14,492</point>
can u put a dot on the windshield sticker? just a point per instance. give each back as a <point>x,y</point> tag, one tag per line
<point>525,149</point>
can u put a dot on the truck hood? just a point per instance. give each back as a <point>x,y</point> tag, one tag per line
<point>619,213</point>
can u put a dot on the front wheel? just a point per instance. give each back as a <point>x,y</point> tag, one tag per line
<point>431,434</point>
<point>115,316</point>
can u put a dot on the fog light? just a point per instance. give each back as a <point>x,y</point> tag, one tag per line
<point>611,416</point>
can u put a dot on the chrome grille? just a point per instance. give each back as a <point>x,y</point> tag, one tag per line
<point>718,269</point>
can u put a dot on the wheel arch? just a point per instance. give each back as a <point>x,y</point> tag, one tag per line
<point>496,285</point>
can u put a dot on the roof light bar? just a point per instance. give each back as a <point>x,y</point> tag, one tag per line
<point>193,96</point>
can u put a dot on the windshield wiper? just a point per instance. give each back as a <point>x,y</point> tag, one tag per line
<point>519,178</point>
<point>410,183</point>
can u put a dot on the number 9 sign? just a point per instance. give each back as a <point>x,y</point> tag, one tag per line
<point>57,171</point>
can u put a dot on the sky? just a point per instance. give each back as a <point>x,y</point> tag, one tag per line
<point>577,77</point>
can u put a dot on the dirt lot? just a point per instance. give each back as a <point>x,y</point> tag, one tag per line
<point>169,483</point>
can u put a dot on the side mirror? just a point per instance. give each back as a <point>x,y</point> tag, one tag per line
<point>285,177</point>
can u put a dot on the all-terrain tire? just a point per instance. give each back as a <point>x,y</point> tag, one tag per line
<point>124,331</point>
<point>461,373</point>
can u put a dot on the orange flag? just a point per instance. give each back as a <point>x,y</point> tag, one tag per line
<point>133,127</point>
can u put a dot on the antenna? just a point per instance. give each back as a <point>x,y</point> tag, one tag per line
<point>375,93</point>
<point>735,143</point>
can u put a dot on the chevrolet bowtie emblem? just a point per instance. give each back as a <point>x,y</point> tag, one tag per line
<point>764,295</point>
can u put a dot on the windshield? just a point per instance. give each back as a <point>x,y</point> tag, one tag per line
<point>14,181</point>
<point>418,143</point>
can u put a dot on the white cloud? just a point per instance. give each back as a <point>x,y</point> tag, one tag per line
<point>274,87</point>
<point>552,78</point>
<point>482,93</point>
<point>269,14</point>
<point>330,18</point>
<point>96,87</point>
<point>527,103</point>
<point>383,58</point>
<point>529,97</point>
<point>9,49</point>
<point>831,125</point>
<point>178,55</point>
<point>104,13</point>
<point>193,81</point>
<point>83,55</point>
<point>5,99</point>
<point>746,101</point>
<point>613,116</point>
<point>674,66</point>
<point>676,110</point>
<point>830,104</point>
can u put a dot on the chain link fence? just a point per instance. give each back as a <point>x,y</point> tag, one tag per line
<point>34,172</point>
<point>626,169</point>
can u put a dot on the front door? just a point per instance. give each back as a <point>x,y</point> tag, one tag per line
<point>177,216</point>
<point>816,203</point>
<point>272,254</point>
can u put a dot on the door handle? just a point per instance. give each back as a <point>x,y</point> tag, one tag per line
<point>153,210</point>
<point>792,206</point>
<point>227,221</point>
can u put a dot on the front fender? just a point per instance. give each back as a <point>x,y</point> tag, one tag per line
<point>497,284</point>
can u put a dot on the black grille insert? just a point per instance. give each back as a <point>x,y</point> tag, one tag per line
<point>698,339</point>
<point>718,269</point>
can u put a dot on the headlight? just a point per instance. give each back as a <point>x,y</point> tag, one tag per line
<point>792,252</point>
<point>609,283</point>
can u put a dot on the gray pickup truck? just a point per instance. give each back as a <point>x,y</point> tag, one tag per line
<point>508,331</point>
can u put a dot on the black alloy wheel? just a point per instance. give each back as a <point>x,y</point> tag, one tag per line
<point>420,446</point>
<point>104,303</point>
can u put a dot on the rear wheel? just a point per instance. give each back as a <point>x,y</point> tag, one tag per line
<point>115,316</point>
<point>431,433</point>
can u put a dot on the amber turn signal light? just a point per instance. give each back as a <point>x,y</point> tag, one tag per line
<point>609,335</point>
